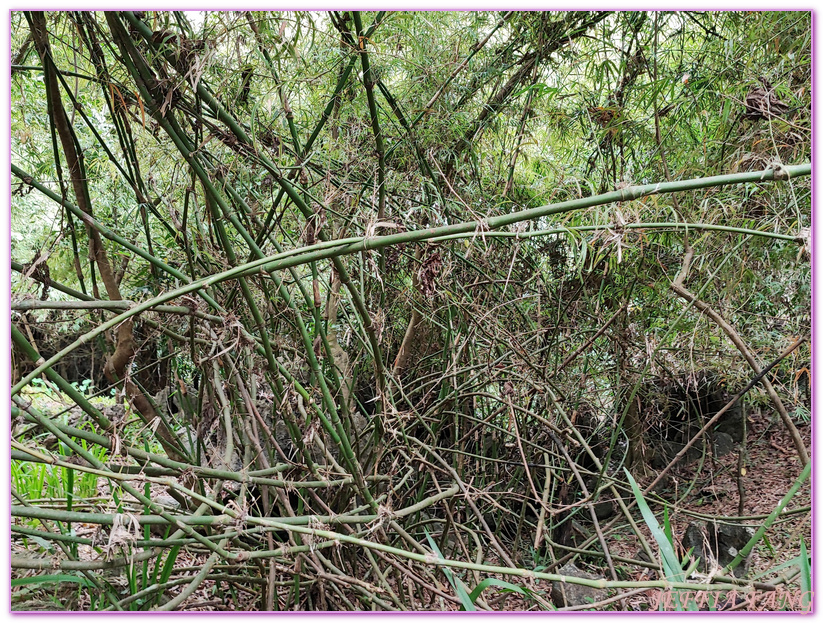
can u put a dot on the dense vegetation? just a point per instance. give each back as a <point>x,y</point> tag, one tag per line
<point>406,311</point>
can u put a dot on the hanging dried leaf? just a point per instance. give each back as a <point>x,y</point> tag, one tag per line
<point>762,103</point>
<point>429,272</point>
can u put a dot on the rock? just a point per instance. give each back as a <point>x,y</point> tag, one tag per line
<point>722,444</point>
<point>283,438</point>
<point>731,422</point>
<point>667,450</point>
<point>694,540</point>
<point>187,437</point>
<point>604,510</point>
<point>718,544</point>
<point>565,594</point>
<point>115,413</point>
<point>167,501</point>
<point>682,405</point>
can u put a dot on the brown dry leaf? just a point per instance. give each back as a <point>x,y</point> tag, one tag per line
<point>762,103</point>
<point>429,272</point>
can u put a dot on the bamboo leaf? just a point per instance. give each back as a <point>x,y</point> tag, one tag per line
<point>51,579</point>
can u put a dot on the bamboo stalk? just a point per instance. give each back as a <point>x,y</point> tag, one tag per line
<point>338,248</point>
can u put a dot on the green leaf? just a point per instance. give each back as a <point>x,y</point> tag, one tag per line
<point>805,577</point>
<point>46,545</point>
<point>667,526</point>
<point>495,582</point>
<point>794,562</point>
<point>671,565</point>
<point>457,585</point>
<point>50,579</point>
<point>465,599</point>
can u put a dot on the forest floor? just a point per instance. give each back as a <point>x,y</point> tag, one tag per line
<point>693,492</point>
<point>772,467</point>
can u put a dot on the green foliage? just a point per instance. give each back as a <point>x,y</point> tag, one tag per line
<point>51,579</point>
<point>457,584</point>
<point>468,600</point>
<point>805,576</point>
<point>672,567</point>
<point>40,480</point>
